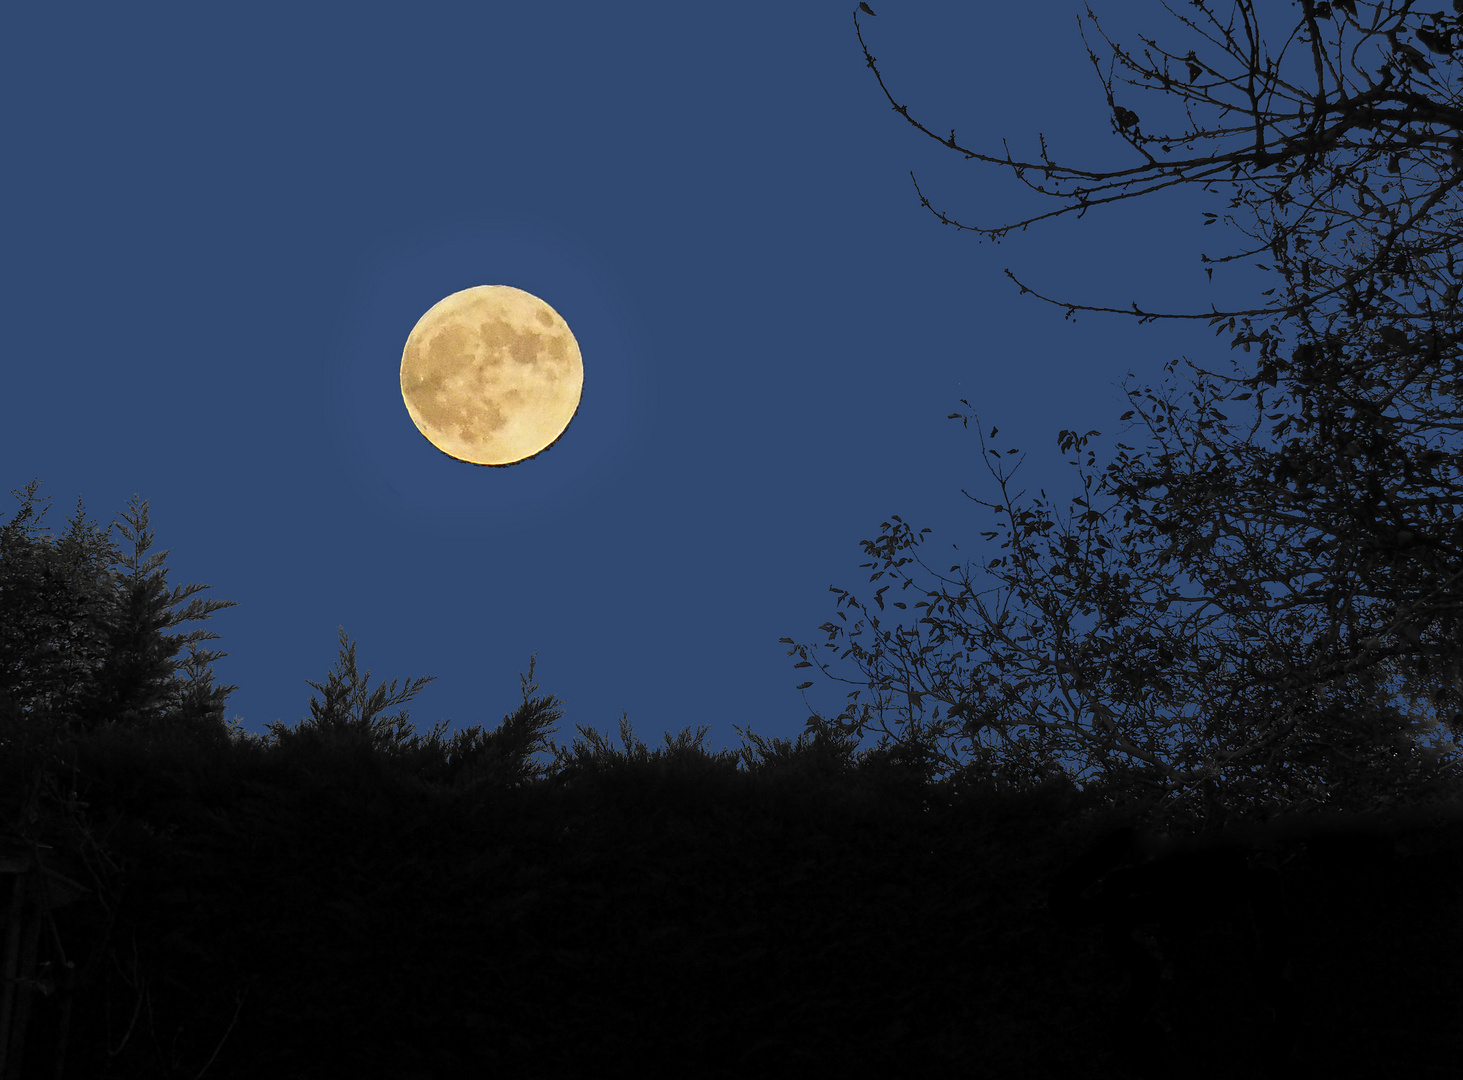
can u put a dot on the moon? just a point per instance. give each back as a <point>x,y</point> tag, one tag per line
<point>491,375</point>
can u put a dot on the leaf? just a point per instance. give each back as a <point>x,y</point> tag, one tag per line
<point>802,686</point>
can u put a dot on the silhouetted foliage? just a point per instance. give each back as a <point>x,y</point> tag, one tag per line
<point>137,682</point>
<point>683,912</point>
<point>349,711</point>
<point>1247,915</point>
<point>52,598</point>
<point>348,896</point>
<point>83,644</point>
<point>1353,144</point>
<point>349,716</point>
<point>1238,616</point>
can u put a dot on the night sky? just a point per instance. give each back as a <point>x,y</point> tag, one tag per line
<point>222,221</point>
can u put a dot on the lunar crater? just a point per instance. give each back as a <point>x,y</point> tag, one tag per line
<point>464,395</point>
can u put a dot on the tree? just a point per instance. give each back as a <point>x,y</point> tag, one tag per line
<point>1300,140</point>
<point>137,684</point>
<point>349,712</point>
<point>1353,519</point>
<point>51,599</point>
<point>1098,654</point>
<point>349,708</point>
<point>1366,254</point>
<point>1366,257</point>
<point>82,644</point>
<point>1266,699</point>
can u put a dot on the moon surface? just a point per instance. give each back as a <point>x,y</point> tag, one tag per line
<point>491,375</point>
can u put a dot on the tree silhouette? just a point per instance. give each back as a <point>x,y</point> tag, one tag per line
<point>1346,137</point>
<point>82,644</point>
<point>348,712</point>
<point>1097,653</point>
<point>1238,617</point>
<point>136,683</point>
<point>350,708</point>
<point>1369,475</point>
<point>52,595</point>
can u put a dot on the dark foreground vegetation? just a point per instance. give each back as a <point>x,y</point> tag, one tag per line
<point>315,906</point>
<point>1264,879</point>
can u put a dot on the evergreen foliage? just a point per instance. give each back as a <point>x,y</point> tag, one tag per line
<point>52,598</point>
<point>82,644</point>
<point>137,683</point>
<point>311,907</point>
<point>346,895</point>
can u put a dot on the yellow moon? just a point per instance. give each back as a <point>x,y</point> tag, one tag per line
<point>491,375</point>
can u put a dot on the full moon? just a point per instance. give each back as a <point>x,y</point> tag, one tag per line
<point>491,375</point>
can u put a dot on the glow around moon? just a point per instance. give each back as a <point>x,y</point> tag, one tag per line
<point>491,375</point>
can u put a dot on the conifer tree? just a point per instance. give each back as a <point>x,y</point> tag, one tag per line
<point>137,684</point>
<point>52,595</point>
<point>349,708</point>
<point>82,644</point>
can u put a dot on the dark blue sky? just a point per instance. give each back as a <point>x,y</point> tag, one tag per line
<point>222,221</point>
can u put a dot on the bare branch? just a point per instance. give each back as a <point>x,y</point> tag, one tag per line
<point>1298,154</point>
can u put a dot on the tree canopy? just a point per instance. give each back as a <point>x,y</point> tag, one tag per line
<point>1341,146</point>
<point>1235,612</point>
<point>83,643</point>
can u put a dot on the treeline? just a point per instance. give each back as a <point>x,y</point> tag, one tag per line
<point>191,868</point>
<point>1252,616</point>
<point>349,895</point>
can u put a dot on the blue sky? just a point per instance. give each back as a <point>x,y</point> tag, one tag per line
<point>221,222</point>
